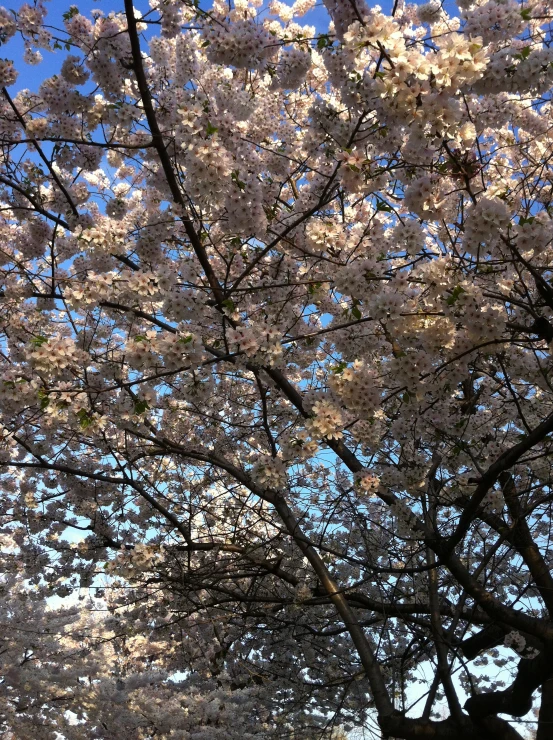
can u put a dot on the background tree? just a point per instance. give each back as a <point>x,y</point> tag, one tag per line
<point>276,374</point>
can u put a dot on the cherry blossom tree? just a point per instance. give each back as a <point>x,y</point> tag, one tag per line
<point>276,379</point>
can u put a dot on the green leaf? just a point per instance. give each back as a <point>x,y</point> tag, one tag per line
<point>140,338</point>
<point>455,295</point>
<point>339,368</point>
<point>210,129</point>
<point>185,340</point>
<point>384,207</point>
<point>229,305</point>
<point>356,313</point>
<point>44,398</point>
<point>523,54</point>
<point>234,178</point>
<point>39,341</point>
<point>140,407</point>
<point>313,287</point>
<point>85,418</point>
<point>523,220</point>
<point>73,10</point>
<point>525,14</point>
<point>323,41</point>
<point>270,213</point>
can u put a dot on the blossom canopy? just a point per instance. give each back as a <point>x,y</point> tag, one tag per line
<point>276,402</point>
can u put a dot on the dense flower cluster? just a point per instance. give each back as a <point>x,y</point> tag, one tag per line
<point>55,354</point>
<point>326,421</point>
<point>242,44</point>
<point>270,472</point>
<point>486,221</point>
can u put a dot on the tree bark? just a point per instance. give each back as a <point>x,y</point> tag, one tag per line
<point>545,719</point>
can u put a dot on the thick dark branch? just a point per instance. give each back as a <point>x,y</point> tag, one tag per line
<point>503,463</point>
<point>493,728</point>
<point>525,545</point>
<point>517,699</point>
<point>159,145</point>
<point>545,718</point>
<point>491,636</point>
<point>497,611</point>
